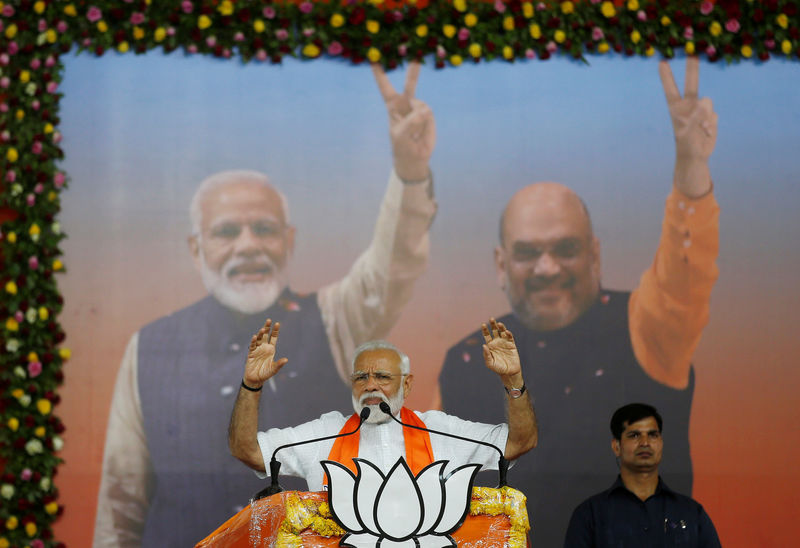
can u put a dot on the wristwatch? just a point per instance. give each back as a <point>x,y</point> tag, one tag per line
<point>515,393</point>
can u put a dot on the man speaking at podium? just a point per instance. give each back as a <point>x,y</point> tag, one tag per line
<point>381,374</point>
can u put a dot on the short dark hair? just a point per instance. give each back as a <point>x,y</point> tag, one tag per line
<point>633,412</point>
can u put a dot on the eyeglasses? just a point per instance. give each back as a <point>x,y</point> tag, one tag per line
<point>381,377</point>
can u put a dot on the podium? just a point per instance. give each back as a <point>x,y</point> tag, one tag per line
<point>496,518</point>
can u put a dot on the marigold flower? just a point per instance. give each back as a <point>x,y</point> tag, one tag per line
<point>12,155</point>
<point>337,20</point>
<point>259,25</point>
<point>51,36</point>
<point>19,114</point>
<point>13,424</point>
<point>786,47</point>
<point>24,76</point>
<point>18,393</point>
<point>138,33</point>
<point>4,542</point>
<point>70,10</point>
<point>12,523</point>
<point>460,5</point>
<point>57,264</point>
<point>607,9</point>
<point>665,21</point>
<point>39,432</point>
<point>11,287</point>
<point>456,60</point>
<point>11,323</point>
<point>508,52</point>
<point>633,5</point>
<point>374,55</point>
<point>527,10</point>
<point>311,50</point>
<point>30,529</point>
<point>12,239</point>
<point>715,28</point>
<point>689,47</point>
<point>422,31</point>
<point>449,30</point>
<point>567,7</point>
<point>159,34</point>
<point>535,30</point>
<point>51,507</point>
<point>475,49</point>
<point>65,353</point>
<point>11,31</point>
<point>747,51</point>
<point>470,19</point>
<point>44,406</point>
<point>225,7</point>
<point>508,22</point>
<point>636,36</point>
<point>782,20</point>
<point>203,22</point>
<point>559,36</point>
<point>603,47</point>
<point>373,26</point>
<point>102,26</point>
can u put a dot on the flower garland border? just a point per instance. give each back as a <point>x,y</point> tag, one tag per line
<point>34,34</point>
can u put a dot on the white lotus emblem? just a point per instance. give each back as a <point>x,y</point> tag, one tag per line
<point>399,510</point>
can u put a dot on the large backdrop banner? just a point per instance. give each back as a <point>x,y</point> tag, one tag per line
<point>348,203</point>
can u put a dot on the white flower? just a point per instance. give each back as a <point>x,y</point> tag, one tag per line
<point>34,447</point>
<point>399,510</point>
<point>44,485</point>
<point>58,443</point>
<point>31,315</point>
<point>24,400</point>
<point>7,491</point>
<point>20,372</point>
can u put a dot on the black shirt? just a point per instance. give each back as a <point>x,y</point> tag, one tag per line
<point>616,518</point>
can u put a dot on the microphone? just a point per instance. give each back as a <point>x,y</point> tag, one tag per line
<point>502,463</point>
<point>275,465</point>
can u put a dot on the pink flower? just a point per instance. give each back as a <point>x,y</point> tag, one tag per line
<point>37,543</point>
<point>30,199</point>
<point>770,43</point>
<point>170,31</point>
<point>33,262</point>
<point>35,63</point>
<point>137,18</point>
<point>440,52</point>
<point>463,33</point>
<point>86,42</point>
<point>335,48</point>
<point>398,15</point>
<point>26,474</point>
<point>94,14</point>
<point>732,25</point>
<point>4,59</point>
<point>641,15</point>
<point>39,188</point>
<point>688,33</point>
<point>308,32</point>
<point>551,46</point>
<point>211,41</point>
<point>711,51</point>
<point>530,54</point>
<point>52,87</point>
<point>62,26</point>
<point>187,6</point>
<point>19,316</point>
<point>269,12</point>
<point>499,6</point>
<point>35,104</point>
<point>42,25</point>
<point>8,10</point>
<point>34,369</point>
<point>11,176</point>
<point>12,48</point>
<point>238,37</point>
<point>706,7</point>
<point>36,147</point>
<point>596,1</point>
<point>57,137</point>
<point>4,82</point>
<point>402,49</point>
<point>59,179</point>
<point>261,55</point>
<point>306,7</point>
<point>50,61</point>
<point>191,48</point>
<point>281,34</point>
<point>597,33</point>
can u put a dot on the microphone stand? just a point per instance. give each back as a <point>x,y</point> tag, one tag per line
<point>502,462</point>
<point>275,466</point>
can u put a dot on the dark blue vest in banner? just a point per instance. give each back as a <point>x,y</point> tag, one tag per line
<point>578,376</point>
<point>190,365</point>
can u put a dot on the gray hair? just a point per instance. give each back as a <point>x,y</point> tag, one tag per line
<point>227,177</point>
<point>405,363</point>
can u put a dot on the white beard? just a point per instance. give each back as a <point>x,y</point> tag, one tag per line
<point>247,298</point>
<point>376,416</point>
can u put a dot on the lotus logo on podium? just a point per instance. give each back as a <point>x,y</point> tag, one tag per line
<point>399,510</point>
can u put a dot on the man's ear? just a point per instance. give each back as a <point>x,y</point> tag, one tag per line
<point>500,265</point>
<point>290,234</point>
<point>194,249</point>
<point>615,446</point>
<point>408,381</point>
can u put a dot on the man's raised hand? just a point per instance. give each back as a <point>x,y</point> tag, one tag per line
<point>695,125</point>
<point>412,127</point>
<point>500,350</point>
<point>261,365</point>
